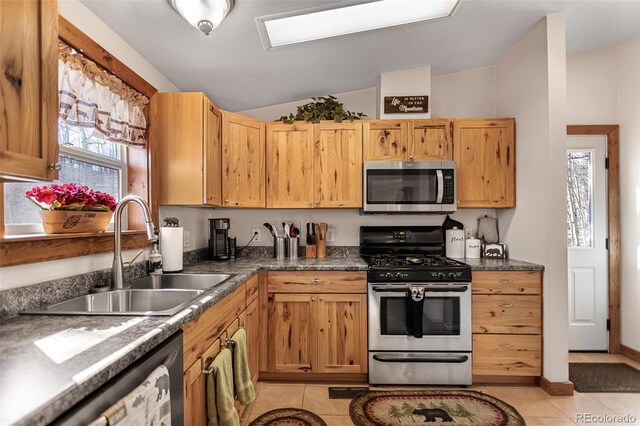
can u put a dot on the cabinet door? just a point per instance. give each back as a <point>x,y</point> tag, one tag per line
<point>338,164</point>
<point>484,151</point>
<point>289,165</point>
<point>342,331</point>
<point>252,327</point>
<point>212,154</point>
<point>430,140</point>
<point>195,395</point>
<point>243,157</point>
<point>28,90</point>
<point>292,337</point>
<point>385,140</point>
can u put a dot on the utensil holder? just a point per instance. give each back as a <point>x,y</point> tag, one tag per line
<point>292,247</point>
<point>279,248</point>
<point>321,248</point>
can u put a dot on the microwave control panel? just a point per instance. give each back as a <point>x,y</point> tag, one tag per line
<point>448,195</point>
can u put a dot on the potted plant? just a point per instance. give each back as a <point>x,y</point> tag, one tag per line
<point>322,108</point>
<point>72,208</point>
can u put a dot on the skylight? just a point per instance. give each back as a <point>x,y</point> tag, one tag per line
<point>314,24</point>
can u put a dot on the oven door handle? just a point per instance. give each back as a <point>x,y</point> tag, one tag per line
<point>422,358</point>
<point>427,288</point>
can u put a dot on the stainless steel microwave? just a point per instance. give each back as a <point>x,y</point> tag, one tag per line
<point>409,187</point>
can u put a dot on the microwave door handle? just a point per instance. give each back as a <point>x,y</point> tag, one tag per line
<point>440,186</point>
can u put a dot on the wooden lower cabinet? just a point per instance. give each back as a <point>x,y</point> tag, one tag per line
<point>310,331</point>
<point>507,324</point>
<point>202,344</point>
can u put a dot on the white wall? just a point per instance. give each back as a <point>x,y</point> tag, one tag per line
<point>530,86</point>
<point>603,87</point>
<point>80,16</point>
<point>465,94</point>
<point>410,82</point>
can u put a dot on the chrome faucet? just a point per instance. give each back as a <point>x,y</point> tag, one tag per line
<point>117,276</point>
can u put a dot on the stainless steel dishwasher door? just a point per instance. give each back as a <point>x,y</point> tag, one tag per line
<point>115,389</point>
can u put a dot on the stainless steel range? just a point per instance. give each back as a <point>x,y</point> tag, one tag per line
<point>419,308</point>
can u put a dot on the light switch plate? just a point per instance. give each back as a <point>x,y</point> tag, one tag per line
<point>331,235</point>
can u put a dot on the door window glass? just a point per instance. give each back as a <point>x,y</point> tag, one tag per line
<point>579,198</point>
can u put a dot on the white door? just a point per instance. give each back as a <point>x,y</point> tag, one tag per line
<point>586,242</point>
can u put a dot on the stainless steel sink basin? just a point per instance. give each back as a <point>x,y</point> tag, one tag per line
<point>124,302</point>
<point>180,281</point>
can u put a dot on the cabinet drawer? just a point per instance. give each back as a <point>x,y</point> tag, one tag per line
<point>252,289</point>
<point>317,282</point>
<point>507,355</point>
<point>201,333</point>
<point>507,282</point>
<point>506,314</point>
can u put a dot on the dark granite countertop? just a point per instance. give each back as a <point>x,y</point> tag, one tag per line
<point>50,363</point>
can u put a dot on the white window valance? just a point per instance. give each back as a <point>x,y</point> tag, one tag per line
<point>92,98</point>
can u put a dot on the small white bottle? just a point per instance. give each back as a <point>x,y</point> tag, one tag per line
<point>155,261</point>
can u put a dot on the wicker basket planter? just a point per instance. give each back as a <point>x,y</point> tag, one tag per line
<point>70,221</point>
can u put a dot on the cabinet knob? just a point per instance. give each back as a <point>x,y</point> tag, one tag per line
<point>316,281</point>
<point>411,157</point>
<point>506,305</point>
<point>310,204</point>
<point>209,198</point>
<point>317,203</point>
<point>55,166</point>
<point>226,200</point>
<point>313,299</point>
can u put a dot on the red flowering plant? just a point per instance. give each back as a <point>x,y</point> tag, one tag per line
<point>71,196</point>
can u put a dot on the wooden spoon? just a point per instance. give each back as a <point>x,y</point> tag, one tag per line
<point>323,231</point>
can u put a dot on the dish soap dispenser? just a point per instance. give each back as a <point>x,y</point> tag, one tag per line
<point>155,261</point>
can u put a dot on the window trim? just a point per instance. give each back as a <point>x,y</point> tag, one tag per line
<point>39,248</point>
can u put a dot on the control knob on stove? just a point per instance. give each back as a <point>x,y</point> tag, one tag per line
<point>441,275</point>
<point>399,275</point>
<point>388,276</point>
<point>452,275</point>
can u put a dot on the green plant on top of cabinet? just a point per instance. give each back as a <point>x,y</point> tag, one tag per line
<point>185,133</point>
<point>408,140</point>
<point>314,165</point>
<point>243,161</point>
<point>29,88</point>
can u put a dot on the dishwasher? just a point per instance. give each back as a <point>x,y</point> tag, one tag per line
<point>168,353</point>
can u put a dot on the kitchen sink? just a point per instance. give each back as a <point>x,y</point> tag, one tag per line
<point>179,281</point>
<point>165,302</point>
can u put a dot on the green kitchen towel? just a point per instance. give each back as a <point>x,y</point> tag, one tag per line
<point>241,373</point>
<point>220,400</point>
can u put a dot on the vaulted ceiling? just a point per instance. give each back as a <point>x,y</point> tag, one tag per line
<point>232,67</point>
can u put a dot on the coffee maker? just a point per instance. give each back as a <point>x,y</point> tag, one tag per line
<point>219,239</point>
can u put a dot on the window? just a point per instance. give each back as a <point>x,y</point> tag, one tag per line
<point>87,159</point>
<point>579,198</point>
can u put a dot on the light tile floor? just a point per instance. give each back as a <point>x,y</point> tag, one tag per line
<point>535,405</point>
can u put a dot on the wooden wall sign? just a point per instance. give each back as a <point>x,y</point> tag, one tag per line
<point>406,104</point>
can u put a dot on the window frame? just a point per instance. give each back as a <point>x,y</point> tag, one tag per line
<point>18,250</point>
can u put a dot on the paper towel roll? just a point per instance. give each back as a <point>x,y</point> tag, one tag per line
<point>171,243</point>
<point>454,245</point>
<point>473,248</point>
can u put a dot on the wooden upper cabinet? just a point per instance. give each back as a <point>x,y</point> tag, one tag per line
<point>342,330</point>
<point>28,90</point>
<point>185,135</point>
<point>385,140</point>
<point>484,150</point>
<point>243,161</point>
<point>289,165</point>
<point>213,153</point>
<point>430,140</point>
<point>338,164</point>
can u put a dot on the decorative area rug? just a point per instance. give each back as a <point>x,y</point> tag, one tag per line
<point>604,377</point>
<point>288,417</point>
<point>458,407</point>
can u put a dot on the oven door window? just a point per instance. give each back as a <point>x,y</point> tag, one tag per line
<point>402,186</point>
<point>441,316</point>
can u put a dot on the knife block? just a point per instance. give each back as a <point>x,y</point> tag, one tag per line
<point>310,250</point>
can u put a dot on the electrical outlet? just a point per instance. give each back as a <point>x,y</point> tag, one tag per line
<point>258,237</point>
<point>331,235</point>
<point>187,238</point>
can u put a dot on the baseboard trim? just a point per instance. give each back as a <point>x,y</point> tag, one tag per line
<point>487,379</point>
<point>630,353</point>
<point>556,388</point>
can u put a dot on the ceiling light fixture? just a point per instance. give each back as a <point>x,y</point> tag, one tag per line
<point>313,24</point>
<point>204,15</point>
